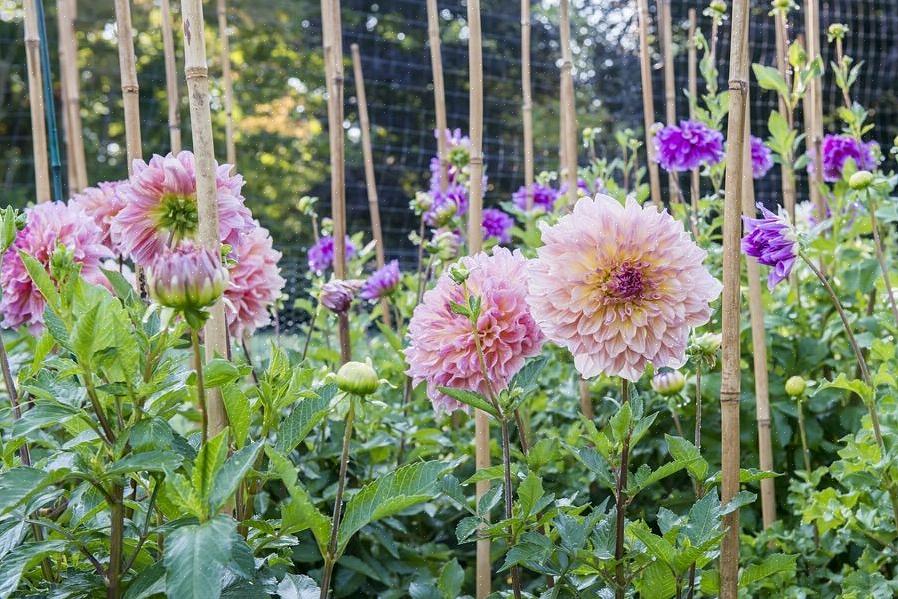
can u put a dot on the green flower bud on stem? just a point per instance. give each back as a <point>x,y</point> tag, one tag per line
<point>668,381</point>
<point>795,386</point>
<point>357,378</point>
<point>860,180</point>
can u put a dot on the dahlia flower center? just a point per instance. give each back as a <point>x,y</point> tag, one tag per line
<point>177,213</point>
<point>626,283</point>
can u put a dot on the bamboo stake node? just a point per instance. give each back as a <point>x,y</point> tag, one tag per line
<point>129,84</point>
<point>648,102</point>
<point>36,103</point>
<point>171,78</point>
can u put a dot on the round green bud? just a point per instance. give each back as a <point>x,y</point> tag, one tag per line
<point>782,4</point>
<point>357,378</point>
<point>458,273</point>
<point>708,343</point>
<point>837,31</point>
<point>668,382</point>
<point>795,386</point>
<point>719,6</point>
<point>860,180</point>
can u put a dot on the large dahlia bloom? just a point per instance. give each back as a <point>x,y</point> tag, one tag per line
<point>321,255</point>
<point>161,209</point>
<point>544,197</point>
<point>255,283</point>
<point>837,149</point>
<point>48,225</point>
<point>691,145</point>
<point>620,287</point>
<point>761,158</point>
<point>443,352</point>
<point>771,241</point>
<point>103,203</point>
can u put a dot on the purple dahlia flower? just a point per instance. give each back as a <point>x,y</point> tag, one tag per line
<point>837,149</point>
<point>771,241</point>
<point>497,225</point>
<point>382,282</point>
<point>761,158</point>
<point>689,146</point>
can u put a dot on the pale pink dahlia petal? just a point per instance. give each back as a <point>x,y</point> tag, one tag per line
<point>619,286</point>
<point>255,282</point>
<point>103,203</point>
<point>48,225</point>
<point>160,206</point>
<point>443,352</point>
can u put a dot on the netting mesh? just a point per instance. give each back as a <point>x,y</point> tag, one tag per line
<point>281,114</point>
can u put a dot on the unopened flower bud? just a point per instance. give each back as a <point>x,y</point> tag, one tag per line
<point>444,213</point>
<point>837,31</point>
<point>187,279</point>
<point>357,378</point>
<point>458,273</point>
<point>668,382</point>
<point>860,180</point>
<point>718,6</point>
<point>708,343</point>
<point>781,4</point>
<point>444,244</point>
<point>337,295</point>
<point>795,386</point>
<point>421,203</point>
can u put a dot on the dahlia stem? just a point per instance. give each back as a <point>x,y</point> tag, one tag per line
<point>331,558</point>
<point>200,382</point>
<point>509,499</point>
<point>805,452</point>
<point>305,347</point>
<point>620,503</point>
<point>883,265</point>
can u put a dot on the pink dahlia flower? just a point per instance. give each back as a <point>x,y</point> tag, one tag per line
<point>103,203</point>
<point>442,350</point>
<point>255,285</point>
<point>48,225</point>
<point>620,287</point>
<point>187,278</point>
<point>160,206</point>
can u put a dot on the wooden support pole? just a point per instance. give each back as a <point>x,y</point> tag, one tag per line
<point>171,79</point>
<point>36,103</point>
<point>670,87</point>
<point>71,94</point>
<point>130,88</point>
<point>648,102</point>
<point>527,102</point>
<point>568,107</point>
<point>730,388</point>
<point>813,107</point>
<point>227,83</point>
<point>49,104</point>
<point>439,90</point>
<point>692,86</point>
<point>370,184</point>
<point>62,45</point>
<point>197,73</point>
<point>782,62</point>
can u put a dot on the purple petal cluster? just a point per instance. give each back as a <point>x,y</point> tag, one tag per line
<point>321,255</point>
<point>497,225</point>
<point>445,206</point>
<point>382,282</point>
<point>337,295</point>
<point>544,197</point>
<point>772,242</point>
<point>689,146</point>
<point>837,149</point>
<point>761,158</point>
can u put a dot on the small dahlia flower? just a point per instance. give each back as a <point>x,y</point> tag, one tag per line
<point>321,255</point>
<point>771,241</point>
<point>188,279</point>
<point>446,205</point>
<point>620,287</point>
<point>544,197</point>
<point>382,282</point>
<point>161,209</point>
<point>691,145</point>
<point>443,351</point>
<point>761,157</point>
<point>103,203</point>
<point>668,381</point>
<point>497,225</point>
<point>337,295</point>
<point>838,149</point>
<point>255,282</point>
<point>48,225</point>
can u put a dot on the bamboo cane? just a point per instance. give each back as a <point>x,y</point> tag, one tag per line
<point>813,104</point>
<point>569,109</point>
<point>562,130</point>
<point>694,181</point>
<point>758,343</point>
<point>49,104</point>
<point>71,95</point>
<point>730,368</point>
<point>370,184</point>
<point>648,103</point>
<point>62,46</point>
<point>36,102</point>
<point>670,92</point>
<point>585,400</point>
<point>227,83</point>
<point>439,90</point>
<point>475,242</point>
<point>130,87</point>
<point>782,61</point>
<point>197,73</point>
<point>527,102</point>
<point>171,79</point>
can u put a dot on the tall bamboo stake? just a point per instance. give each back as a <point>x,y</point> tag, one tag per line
<point>71,94</point>
<point>782,61</point>
<point>758,343</point>
<point>670,86</point>
<point>439,89</point>
<point>130,88</point>
<point>36,102</point>
<point>694,179</point>
<point>227,83</point>
<point>475,243</point>
<point>49,104</point>
<point>527,102</point>
<point>813,104</point>
<point>569,109</point>
<point>197,73</point>
<point>171,79</point>
<point>370,184</point>
<point>71,177</point>
<point>648,103</point>
<point>730,370</point>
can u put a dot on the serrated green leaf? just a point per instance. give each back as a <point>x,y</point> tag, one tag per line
<point>14,564</point>
<point>682,450</point>
<point>466,527</point>
<point>490,473</point>
<point>18,483</point>
<point>529,492</point>
<point>229,476</point>
<point>239,411</point>
<point>145,461</point>
<point>306,414</point>
<point>195,558</point>
<point>452,576</point>
<point>658,547</point>
<point>208,460</point>
<point>776,563</point>
<point>657,582</point>
<point>41,279</point>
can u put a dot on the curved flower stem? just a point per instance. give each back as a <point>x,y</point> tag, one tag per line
<point>620,592</point>
<point>805,452</point>
<point>331,558</point>
<point>883,265</point>
<point>200,382</point>
<point>699,489</point>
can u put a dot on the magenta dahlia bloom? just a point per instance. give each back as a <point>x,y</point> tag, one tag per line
<point>691,145</point>
<point>497,225</point>
<point>103,203</point>
<point>620,287</point>
<point>321,255</point>
<point>761,157</point>
<point>771,241</point>
<point>48,225</point>
<point>544,197</point>
<point>160,206</point>
<point>382,282</point>
<point>837,149</point>
<point>445,206</point>
<point>255,283</point>
<point>337,295</point>
<point>443,352</point>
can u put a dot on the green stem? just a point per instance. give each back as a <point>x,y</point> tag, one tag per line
<point>805,452</point>
<point>883,265</point>
<point>116,542</point>
<point>620,592</point>
<point>200,382</point>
